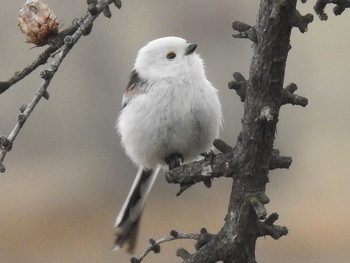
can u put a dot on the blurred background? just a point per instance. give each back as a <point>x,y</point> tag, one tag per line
<point>67,175</point>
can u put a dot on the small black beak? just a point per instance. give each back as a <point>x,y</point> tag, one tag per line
<point>190,49</point>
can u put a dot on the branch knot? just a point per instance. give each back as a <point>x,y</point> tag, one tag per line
<point>239,84</point>
<point>257,201</point>
<point>203,238</point>
<point>288,96</point>
<point>244,31</point>
<point>268,228</point>
<point>5,144</point>
<point>301,22</point>
<point>118,3</point>
<point>320,5</point>
<point>268,114</point>
<point>46,74</point>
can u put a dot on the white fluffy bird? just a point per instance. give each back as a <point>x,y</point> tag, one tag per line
<point>171,114</point>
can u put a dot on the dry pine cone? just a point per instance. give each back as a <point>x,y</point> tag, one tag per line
<point>37,22</point>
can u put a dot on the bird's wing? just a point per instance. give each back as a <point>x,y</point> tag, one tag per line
<point>135,87</point>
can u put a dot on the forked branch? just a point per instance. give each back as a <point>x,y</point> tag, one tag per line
<point>60,47</point>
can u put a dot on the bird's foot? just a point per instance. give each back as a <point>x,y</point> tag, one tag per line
<point>208,156</point>
<point>174,160</point>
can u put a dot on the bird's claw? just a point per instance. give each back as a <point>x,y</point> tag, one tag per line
<point>174,160</point>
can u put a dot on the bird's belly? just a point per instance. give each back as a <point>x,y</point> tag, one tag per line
<point>161,134</point>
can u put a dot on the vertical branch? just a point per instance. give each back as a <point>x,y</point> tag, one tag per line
<point>263,97</point>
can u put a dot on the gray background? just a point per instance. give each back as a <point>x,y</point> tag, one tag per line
<point>67,175</point>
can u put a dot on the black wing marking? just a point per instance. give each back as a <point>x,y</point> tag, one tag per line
<point>133,88</point>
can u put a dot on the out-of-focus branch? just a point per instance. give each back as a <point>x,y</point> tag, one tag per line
<point>340,6</point>
<point>55,43</point>
<point>60,47</point>
<point>174,235</point>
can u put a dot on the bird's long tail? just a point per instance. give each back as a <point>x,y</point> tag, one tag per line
<point>126,224</point>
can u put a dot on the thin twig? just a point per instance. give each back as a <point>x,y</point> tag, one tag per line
<point>340,6</point>
<point>55,43</point>
<point>174,235</point>
<point>85,24</point>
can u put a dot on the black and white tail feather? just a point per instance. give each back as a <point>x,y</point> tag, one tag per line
<point>127,222</point>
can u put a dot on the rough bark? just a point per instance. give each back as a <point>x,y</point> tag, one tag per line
<point>253,156</point>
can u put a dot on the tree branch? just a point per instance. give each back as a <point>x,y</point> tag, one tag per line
<point>55,43</point>
<point>238,84</point>
<point>340,6</point>
<point>268,228</point>
<point>60,47</point>
<point>218,165</point>
<point>244,31</point>
<point>174,235</point>
<point>291,98</point>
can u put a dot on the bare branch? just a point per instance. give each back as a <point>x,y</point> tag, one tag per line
<point>238,84</point>
<point>267,228</point>
<point>291,98</point>
<point>299,21</point>
<point>258,201</point>
<point>253,156</point>
<point>320,5</point>
<point>218,165</point>
<point>279,162</point>
<point>244,31</point>
<point>118,3</point>
<point>222,146</point>
<point>61,49</point>
<point>174,235</point>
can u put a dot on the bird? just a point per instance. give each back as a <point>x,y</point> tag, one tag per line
<point>170,115</point>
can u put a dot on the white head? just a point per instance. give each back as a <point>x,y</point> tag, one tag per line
<point>168,57</point>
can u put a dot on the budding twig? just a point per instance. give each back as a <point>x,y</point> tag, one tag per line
<point>174,235</point>
<point>62,47</point>
<point>288,96</point>
<point>340,6</point>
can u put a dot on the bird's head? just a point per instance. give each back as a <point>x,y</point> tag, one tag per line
<point>168,57</point>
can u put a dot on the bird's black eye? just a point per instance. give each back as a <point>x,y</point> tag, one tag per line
<point>171,55</point>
